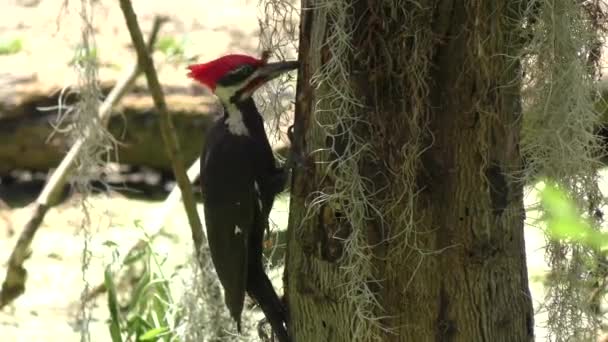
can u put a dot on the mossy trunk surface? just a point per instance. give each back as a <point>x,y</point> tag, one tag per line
<point>457,270</point>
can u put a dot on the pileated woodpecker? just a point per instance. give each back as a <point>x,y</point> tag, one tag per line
<point>240,180</point>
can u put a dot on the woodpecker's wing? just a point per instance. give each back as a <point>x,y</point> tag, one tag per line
<point>229,203</point>
<point>228,235</point>
<point>270,180</point>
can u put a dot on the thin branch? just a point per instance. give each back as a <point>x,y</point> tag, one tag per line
<point>16,275</point>
<point>166,126</point>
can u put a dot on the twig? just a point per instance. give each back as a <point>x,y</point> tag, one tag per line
<point>209,284</point>
<point>14,281</point>
<point>166,127</point>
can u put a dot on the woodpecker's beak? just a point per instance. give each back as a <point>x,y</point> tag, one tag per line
<point>272,70</point>
<point>266,73</point>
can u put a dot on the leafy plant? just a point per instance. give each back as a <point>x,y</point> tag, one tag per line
<point>174,50</point>
<point>10,46</point>
<point>170,46</point>
<point>564,222</point>
<point>82,55</point>
<point>148,314</point>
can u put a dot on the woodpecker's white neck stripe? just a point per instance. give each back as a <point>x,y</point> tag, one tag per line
<point>234,120</point>
<point>234,117</point>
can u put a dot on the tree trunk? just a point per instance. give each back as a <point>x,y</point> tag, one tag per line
<point>406,221</point>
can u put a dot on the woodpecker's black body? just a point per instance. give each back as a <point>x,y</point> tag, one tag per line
<point>239,180</point>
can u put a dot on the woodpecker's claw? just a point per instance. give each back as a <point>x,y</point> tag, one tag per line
<point>262,334</point>
<point>293,158</point>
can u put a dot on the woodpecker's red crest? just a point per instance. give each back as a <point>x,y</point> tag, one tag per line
<point>211,72</point>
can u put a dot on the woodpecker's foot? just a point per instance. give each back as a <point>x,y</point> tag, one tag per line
<point>260,289</point>
<point>294,159</point>
<point>266,333</point>
<point>262,333</point>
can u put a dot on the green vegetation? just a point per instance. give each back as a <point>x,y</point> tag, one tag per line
<point>564,221</point>
<point>10,46</point>
<point>82,55</point>
<point>174,50</point>
<point>171,46</point>
<point>148,314</point>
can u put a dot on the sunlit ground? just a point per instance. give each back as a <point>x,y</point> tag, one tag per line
<point>49,309</point>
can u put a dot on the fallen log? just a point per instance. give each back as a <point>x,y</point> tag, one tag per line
<point>16,275</point>
<point>27,142</point>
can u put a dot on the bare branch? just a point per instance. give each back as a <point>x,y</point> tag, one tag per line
<point>166,125</point>
<point>16,275</point>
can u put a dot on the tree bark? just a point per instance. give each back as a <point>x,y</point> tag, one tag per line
<point>443,75</point>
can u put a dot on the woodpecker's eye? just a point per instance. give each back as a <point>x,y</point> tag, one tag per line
<point>237,75</point>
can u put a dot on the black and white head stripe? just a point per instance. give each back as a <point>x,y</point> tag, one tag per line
<point>237,75</point>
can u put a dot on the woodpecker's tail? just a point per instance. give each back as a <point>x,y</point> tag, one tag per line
<point>260,288</point>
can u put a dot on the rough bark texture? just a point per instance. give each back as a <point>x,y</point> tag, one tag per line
<point>460,275</point>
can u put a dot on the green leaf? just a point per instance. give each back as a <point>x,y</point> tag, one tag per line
<point>154,334</point>
<point>170,46</point>
<point>138,295</point>
<point>112,306</point>
<point>134,256</point>
<point>10,46</point>
<point>137,325</point>
<point>110,243</point>
<point>82,55</point>
<point>564,221</point>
